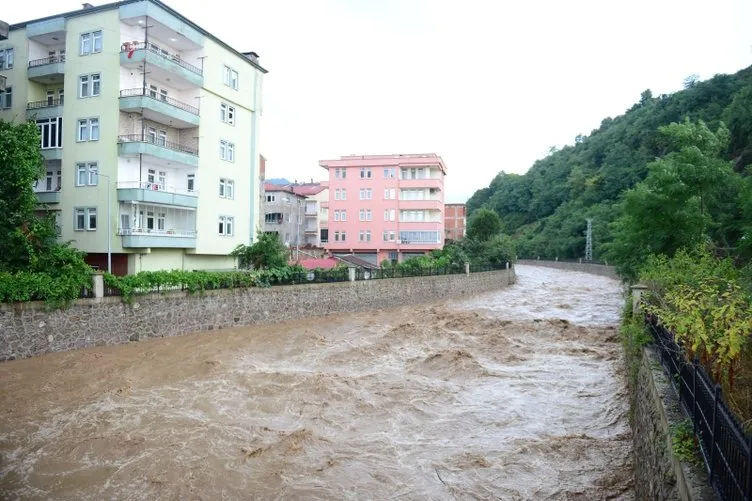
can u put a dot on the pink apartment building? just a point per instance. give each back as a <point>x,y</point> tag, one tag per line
<point>385,206</point>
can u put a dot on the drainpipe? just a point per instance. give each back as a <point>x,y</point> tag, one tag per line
<point>254,158</point>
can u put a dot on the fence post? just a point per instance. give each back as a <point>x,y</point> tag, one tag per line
<point>98,280</point>
<point>695,363</point>
<point>467,269</point>
<point>716,396</point>
<point>351,274</point>
<point>637,291</point>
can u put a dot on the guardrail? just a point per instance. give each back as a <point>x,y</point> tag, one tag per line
<point>46,60</point>
<point>47,103</point>
<point>145,138</point>
<point>175,58</point>
<point>725,449</point>
<point>159,97</point>
<point>144,185</point>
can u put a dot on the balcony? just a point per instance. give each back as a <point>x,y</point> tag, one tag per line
<point>154,193</point>
<point>52,153</point>
<point>48,197</point>
<point>169,239</point>
<point>49,108</point>
<point>135,144</point>
<point>434,183</point>
<point>162,109</point>
<point>162,65</point>
<point>312,230</point>
<point>48,70</point>
<point>421,205</point>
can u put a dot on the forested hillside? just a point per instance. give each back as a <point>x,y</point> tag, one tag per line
<point>545,210</point>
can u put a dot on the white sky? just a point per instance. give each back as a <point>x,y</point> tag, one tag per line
<point>486,84</point>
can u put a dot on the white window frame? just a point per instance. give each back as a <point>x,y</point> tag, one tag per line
<point>90,126</point>
<point>6,63</point>
<point>90,43</point>
<point>227,223</point>
<point>226,150</point>
<point>88,172</point>
<point>87,213</point>
<point>230,77</point>
<point>89,85</point>
<point>6,98</point>
<point>226,188</point>
<point>46,130</point>
<point>227,113</point>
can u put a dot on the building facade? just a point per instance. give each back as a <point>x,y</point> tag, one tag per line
<point>385,207</point>
<point>149,130</point>
<point>316,211</point>
<point>284,214</point>
<point>454,221</point>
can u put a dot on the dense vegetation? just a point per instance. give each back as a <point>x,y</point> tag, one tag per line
<point>545,210</point>
<point>33,264</point>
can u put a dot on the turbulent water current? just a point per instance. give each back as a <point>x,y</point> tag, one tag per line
<point>514,394</point>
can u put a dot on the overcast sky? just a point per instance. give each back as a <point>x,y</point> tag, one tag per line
<point>489,85</point>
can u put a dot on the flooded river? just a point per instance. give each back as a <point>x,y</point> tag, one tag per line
<point>514,394</point>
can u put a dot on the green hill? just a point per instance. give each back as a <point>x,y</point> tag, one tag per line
<point>545,210</point>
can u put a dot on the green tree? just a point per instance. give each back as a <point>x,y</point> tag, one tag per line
<point>674,206</point>
<point>22,234</point>
<point>266,252</point>
<point>484,224</point>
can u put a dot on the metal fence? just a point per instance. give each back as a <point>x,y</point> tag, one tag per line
<point>144,92</point>
<point>725,449</point>
<point>558,259</point>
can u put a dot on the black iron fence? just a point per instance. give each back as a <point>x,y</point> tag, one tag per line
<point>159,97</point>
<point>164,143</point>
<point>725,449</point>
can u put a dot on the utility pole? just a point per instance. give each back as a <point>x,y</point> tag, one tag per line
<point>589,241</point>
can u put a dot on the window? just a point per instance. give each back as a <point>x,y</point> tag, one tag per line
<point>365,173</point>
<point>227,113</point>
<point>340,173</point>
<point>6,59</point>
<point>48,181</point>
<point>336,215</point>
<point>227,150</point>
<point>336,236</point>
<point>390,173</point>
<point>364,236</point>
<point>89,85</point>
<point>226,188</point>
<point>388,236</point>
<point>191,183</point>
<point>390,194</point>
<point>85,219</point>
<point>414,173</point>
<point>88,129</point>
<point>230,77</point>
<point>427,237</point>
<point>6,98</point>
<point>366,193</point>
<point>274,217</point>
<point>151,135</point>
<point>161,221</point>
<point>342,236</point>
<point>51,132</point>
<point>162,138</point>
<point>389,214</point>
<point>225,225</point>
<point>340,194</point>
<point>86,174</point>
<point>343,215</point>
<point>365,214</point>
<point>91,43</point>
<point>61,95</point>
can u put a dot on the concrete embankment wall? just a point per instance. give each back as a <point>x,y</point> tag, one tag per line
<point>595,269</point>
<point>659,474</point>
<point>28,329</point>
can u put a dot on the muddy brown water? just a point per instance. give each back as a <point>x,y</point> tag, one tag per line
<point>515,394</point>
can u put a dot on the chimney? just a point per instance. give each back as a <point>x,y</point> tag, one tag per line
<point>87,5</point>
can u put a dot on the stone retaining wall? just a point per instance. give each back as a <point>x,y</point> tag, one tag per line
<point>658,474</point>
<point>27,329</point>
<point>595,269</point>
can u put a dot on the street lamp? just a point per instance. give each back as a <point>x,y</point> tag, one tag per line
<point>109,225</point>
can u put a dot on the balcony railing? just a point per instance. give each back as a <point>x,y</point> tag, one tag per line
<point>166,233</point>
<point>175,58</point>
<point>47,103</point>
<point>145,138</point>
<point>159,97</point>
<point>145,185</point>
<point>46,60</point>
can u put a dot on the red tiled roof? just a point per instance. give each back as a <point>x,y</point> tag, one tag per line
<point>312,264</point>
<point>308,190</point>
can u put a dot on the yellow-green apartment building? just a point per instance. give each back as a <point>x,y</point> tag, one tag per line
<point>140,107</point>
